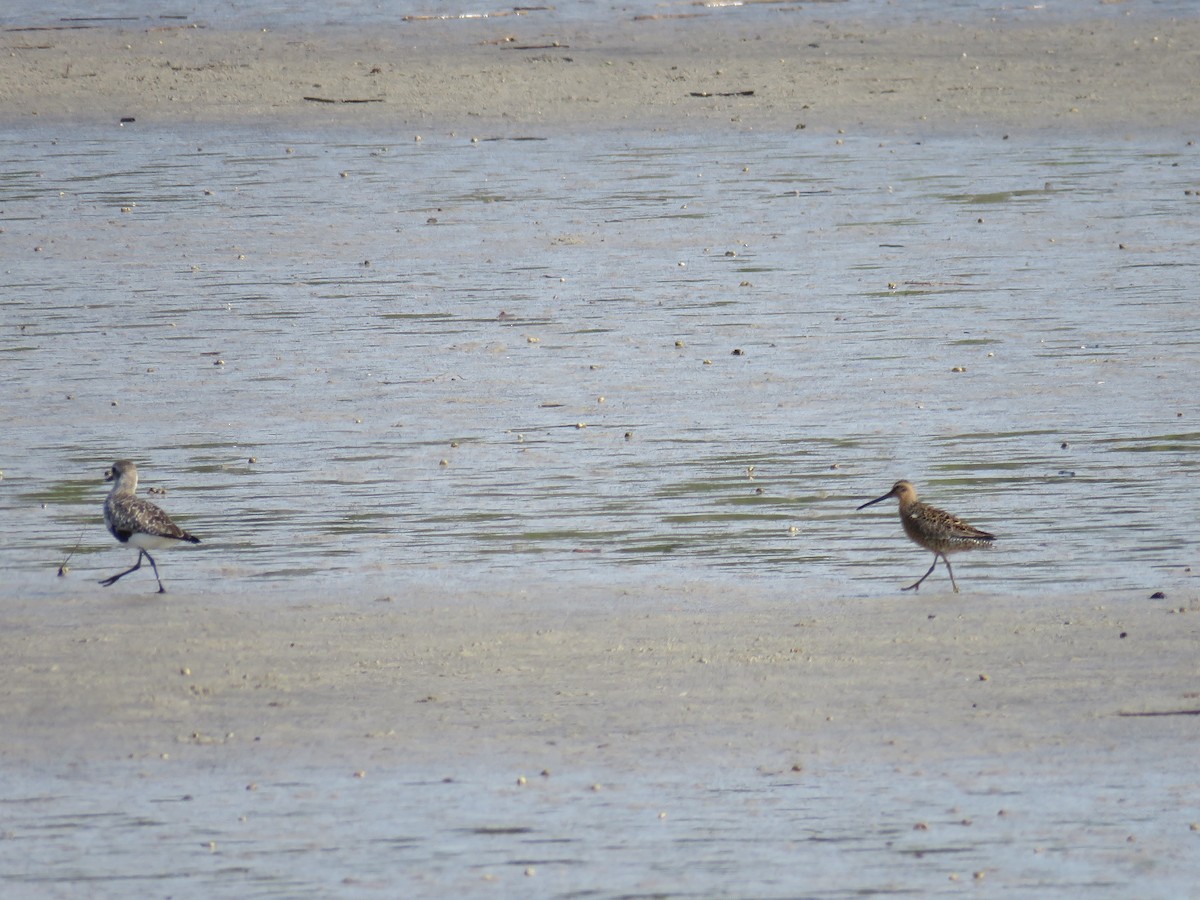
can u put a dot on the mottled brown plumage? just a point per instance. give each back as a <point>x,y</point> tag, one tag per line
<point>934,529</point>
<point>138,522</point>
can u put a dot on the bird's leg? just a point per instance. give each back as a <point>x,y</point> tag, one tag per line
<point>163,590</point>
<point>951,571</point>
<point>137,565</point>
<point>916,586</point>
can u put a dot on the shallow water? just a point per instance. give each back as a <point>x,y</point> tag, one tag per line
<point>607,356</point>
<point>831,834</point>
<point>414,15</point>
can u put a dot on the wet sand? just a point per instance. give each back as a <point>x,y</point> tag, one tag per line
<point>521,72</point>
<point>712,673</point>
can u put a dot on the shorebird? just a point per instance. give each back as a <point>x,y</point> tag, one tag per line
<point>138,522</point>
<point>934,529</point>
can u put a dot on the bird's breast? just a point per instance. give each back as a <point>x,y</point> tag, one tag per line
<point>144,541</point>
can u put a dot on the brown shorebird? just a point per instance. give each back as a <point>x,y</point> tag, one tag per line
<point>934,529</point>
<point>138,522</point>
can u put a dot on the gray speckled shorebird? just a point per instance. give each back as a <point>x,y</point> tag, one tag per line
<point>138,522</point>
<point>934,529</point>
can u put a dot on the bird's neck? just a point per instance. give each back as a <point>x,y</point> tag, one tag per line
<point>124,488</point>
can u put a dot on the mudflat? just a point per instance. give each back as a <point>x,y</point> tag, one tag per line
<point>519,72</point>
<point>575,675</point>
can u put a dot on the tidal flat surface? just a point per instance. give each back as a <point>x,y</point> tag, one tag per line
<point>602,356</point>
<point>361,362</point>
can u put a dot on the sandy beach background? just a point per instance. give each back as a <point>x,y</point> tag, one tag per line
<point>710,673</point>
<point>516,71</point>
<point>758,677</point>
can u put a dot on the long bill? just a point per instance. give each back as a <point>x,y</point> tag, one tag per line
<point>877,500</point>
